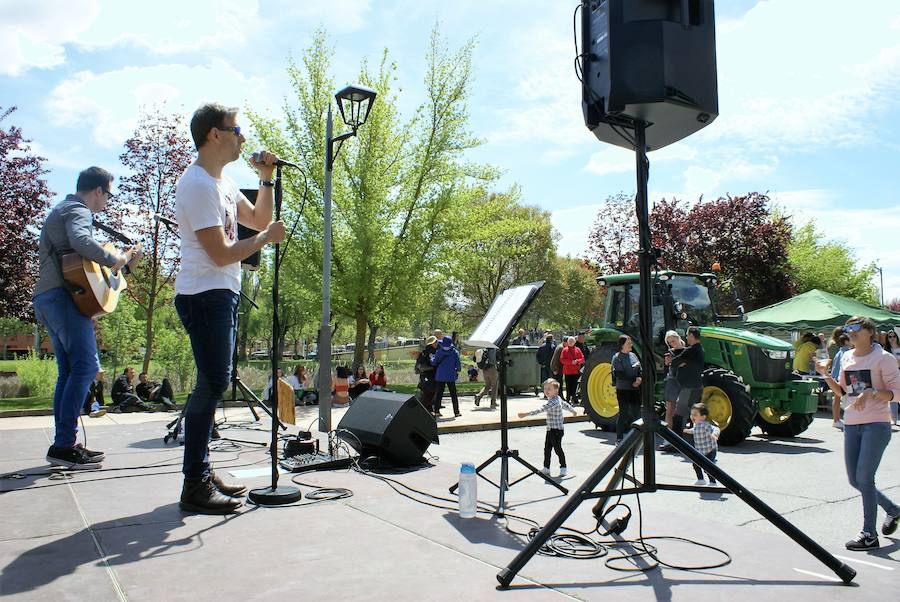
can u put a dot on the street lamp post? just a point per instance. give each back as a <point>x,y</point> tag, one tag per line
<point>354,103</point>
<point>881,284</point>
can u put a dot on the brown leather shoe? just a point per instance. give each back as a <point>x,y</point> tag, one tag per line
<point>202,497</point>
<point>236,490</point>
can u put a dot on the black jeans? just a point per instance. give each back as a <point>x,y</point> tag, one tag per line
<point>629,410</point>
<point>451,386</point>
<point>553,441</point>
<point>571,386</point>
<point>712,457</point>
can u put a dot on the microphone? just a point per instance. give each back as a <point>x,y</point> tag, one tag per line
<point>278,162</point>
<point>165,221</point>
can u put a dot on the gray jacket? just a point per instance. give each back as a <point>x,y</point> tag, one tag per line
<point>67,228</point>
<point>626,367</point>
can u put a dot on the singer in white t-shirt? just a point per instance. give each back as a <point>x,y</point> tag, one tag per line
<point>208,207</point>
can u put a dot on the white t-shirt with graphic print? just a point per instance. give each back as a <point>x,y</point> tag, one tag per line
<point>202,201</point>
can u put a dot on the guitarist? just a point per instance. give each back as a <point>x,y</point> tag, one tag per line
<point>66,229</point>
<point>208,207</point>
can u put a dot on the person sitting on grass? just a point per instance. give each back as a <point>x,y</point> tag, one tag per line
<point>151,391</point>
<point>706,438</point>
<point>94,402</point>
<point>555,424</point>
<point>378,379</point>
<point>123,396</point>
<point>359,382</point>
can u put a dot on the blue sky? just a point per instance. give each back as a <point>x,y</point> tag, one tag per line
<point>809,95</point>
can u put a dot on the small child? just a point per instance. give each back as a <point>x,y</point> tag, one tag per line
<point>473,374</point>
<point>555,423</point>
<point>706,436</point>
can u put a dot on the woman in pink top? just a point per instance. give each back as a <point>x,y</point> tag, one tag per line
<point>870,379</point>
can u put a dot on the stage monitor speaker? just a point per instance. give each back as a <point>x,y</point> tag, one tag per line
<point>648,60</point>
<point>393,426</point>
<point>252,262</point>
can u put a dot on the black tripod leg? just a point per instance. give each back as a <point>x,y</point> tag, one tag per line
<point>843,571</point>
<point>618,474</point>
<point>632,438</point>
<point>253,398</point>
<point>539,473</point>
<point>481,467</point>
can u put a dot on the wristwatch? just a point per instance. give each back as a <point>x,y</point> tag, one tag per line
<point>267,183</point>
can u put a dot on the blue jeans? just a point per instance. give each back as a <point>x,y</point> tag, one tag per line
<point>75,347</point>
<point>210,319</point>
<point>864,444</point>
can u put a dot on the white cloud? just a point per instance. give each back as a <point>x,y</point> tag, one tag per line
<point>614,159</point>
<point>34,34</point>
<point>110,102</point>
<point>574,226</point>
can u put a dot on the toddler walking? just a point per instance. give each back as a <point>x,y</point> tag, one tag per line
<point>706,437</point>
<point>555,424</point>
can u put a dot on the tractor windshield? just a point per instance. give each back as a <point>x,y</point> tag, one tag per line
<point>693,294</point>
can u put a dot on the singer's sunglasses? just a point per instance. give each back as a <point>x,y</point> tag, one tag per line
<point>109,195</point>
<point>852,328</point>
<point>236,129</point>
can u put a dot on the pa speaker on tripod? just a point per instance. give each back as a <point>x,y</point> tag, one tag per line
<point>648,60</point>
<point>392,426</point>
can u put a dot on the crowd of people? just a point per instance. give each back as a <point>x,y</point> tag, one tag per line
<point>147,396</point>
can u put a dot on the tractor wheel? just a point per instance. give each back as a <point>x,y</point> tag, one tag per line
<point>598,391</point>
<point>730,406</point>
<point>782,424</point>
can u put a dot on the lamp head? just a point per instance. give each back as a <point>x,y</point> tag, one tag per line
<point>354,103</point>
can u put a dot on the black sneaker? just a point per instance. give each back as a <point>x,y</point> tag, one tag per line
<point>96,456</point>
<point>73,458</point>
<point>863,541</point>
<point>890,523</point>
<point>202,497</point>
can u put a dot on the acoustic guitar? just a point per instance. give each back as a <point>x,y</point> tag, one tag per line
<point>94,288</point>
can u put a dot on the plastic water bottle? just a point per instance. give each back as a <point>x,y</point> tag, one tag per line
<point>468,490</point>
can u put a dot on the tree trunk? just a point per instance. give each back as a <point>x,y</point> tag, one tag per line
<point>360,342</point>
<point>148,332</point>
<point>372,330</point>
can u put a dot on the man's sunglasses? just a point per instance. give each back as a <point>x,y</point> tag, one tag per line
<point>236,129</point>
<point>109,195</point>
<point>852,328</point>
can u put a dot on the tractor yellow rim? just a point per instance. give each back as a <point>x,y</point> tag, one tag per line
<point>601,392</point>
<point>719,404</point>
<point>774,415</point>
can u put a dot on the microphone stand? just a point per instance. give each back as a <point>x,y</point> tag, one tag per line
<point>285,494</point>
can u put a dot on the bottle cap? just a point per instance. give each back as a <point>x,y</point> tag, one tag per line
<point>467,467</point>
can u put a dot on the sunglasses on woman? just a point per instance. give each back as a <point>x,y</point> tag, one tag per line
<point>852,328</point>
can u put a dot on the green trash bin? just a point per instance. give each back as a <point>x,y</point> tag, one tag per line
<point>523,373</point>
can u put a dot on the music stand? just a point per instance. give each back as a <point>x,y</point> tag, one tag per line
<point>493,333</point>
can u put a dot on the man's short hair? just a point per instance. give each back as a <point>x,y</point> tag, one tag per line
<point>207,117</point>
<point>694,331</point>
<point>93,177</point>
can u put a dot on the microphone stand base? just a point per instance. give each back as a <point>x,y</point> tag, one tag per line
<point>279,496</point>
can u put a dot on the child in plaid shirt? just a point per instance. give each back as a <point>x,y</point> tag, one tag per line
<point>706,436</point>
<point>555,423</point>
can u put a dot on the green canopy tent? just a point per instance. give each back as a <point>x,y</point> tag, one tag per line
<point>817,310</point>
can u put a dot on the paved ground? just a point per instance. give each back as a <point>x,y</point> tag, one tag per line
<point>118,534</point>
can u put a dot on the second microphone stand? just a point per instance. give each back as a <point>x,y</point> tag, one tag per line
<point>275,495</point>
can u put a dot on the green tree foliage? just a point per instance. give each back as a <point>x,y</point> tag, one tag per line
<point>397,186</point>
<point>504,244</point>
<point>829,266</point>
<point>173,349</point>
<point>120,332</point>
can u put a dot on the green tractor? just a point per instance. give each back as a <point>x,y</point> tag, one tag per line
<point>748,378</point>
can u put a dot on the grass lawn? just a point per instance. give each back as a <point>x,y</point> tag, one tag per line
<point>46,403</point>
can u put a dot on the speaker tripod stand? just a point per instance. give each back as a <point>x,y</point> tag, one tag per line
<point>643,432</point>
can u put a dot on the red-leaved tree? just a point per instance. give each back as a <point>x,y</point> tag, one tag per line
<point>155,156</point>
<point>24,199</point>
<point>739,232</point>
